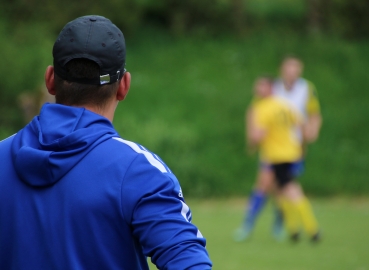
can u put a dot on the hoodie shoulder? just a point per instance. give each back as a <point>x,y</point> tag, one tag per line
<point>5,146</point>
<point>8,139</point>
<point>138,149</point>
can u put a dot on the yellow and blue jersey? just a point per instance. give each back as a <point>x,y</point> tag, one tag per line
<point>280,121</point>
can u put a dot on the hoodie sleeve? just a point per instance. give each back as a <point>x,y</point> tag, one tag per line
<point>153,204</point>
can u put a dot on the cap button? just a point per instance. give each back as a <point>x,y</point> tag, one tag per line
<point>93,19</point>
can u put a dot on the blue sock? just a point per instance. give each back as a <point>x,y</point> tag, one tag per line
<point>256,203</point>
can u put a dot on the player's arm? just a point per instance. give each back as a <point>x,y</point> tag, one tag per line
<point>313,123</point>
<point>311,128</point>
<point>251,146</point>
<point>160,218</point>
<point>255,123</point>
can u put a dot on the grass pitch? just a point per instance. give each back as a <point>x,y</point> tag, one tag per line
<point>345,243</point>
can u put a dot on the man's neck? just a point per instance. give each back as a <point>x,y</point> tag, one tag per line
<point>288,85</point>
<point>107,112</point>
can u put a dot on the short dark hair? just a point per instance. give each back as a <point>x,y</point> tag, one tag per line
<point>291,57</point>
<point>267,78</point>
<point>77,94</point>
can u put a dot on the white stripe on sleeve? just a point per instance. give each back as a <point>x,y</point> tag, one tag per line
<point>185,210</point>
<point>150,158</point>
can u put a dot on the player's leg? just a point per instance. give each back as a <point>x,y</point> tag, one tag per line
<point>256,201</point>
<point>294,200</point>
<point>308,218</point>
<point>278,221</point>
<point>291,217</point>
<point>297,169</point>
<point>285,198</point>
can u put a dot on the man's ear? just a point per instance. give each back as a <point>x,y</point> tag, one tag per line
<point>49,80</point>
<point>124,85</point>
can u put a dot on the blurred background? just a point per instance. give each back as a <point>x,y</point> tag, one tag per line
<point>193,64</point>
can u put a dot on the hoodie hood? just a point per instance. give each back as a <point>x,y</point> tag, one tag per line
<point>55,141</point>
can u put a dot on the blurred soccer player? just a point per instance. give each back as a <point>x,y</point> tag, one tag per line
<point>302,95</point>
<point>265,179</point>
<point>272,125</point>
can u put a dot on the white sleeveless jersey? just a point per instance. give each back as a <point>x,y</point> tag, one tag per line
<point>298,95</point>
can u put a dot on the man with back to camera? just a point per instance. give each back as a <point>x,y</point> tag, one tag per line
<point>73,194</point>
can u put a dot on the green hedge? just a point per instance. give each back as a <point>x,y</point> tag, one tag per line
<point>340,17</point>
<point>188,98</point>
<point>25,53</point>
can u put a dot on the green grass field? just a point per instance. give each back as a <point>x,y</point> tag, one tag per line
<point>345,244</point>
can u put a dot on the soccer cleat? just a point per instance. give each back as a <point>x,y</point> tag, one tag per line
<point>316,238</point>
<point>241,234</point>
<point>295,237</point>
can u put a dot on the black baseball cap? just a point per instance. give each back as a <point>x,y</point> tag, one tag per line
<point>95,38</point>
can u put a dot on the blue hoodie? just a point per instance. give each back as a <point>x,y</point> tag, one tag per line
<point>74,195</point>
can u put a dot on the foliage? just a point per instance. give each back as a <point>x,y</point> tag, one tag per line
<point>189,92</point>
<point>22,68</point>
<point>345,18</point>
<point>338,17</point>
<point>188,98</point>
